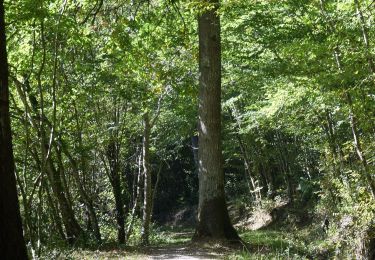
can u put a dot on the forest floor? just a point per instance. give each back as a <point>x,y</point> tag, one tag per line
<point>264,238</point>
<point>169,244</point>
<point>263,244</point>
<point>184,252</point>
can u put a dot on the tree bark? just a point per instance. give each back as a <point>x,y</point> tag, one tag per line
<point>147,197</point>
<point>12,244</point>
<point>213,218</point>
<point>137,197</point>
<point>112,155</point>
<point>87,198</point>
<point>53,210</point>
<point>72,228</point>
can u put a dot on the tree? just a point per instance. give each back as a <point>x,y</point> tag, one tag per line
<point>146,214</point>
<point>213,217</point>
<point>12,244</point>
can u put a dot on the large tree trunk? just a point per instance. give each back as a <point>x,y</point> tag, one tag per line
<point>12,244</point>
<point>213,218</point>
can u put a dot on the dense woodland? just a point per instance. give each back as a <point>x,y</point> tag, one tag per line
<point>130,118</point>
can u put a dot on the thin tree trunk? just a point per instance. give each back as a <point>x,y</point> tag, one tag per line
<point>154,192</point>
<point>358,145</point>
<point>114,177</point>
<point>253,188</point>
<point>352,117</point>
<point>137,198</point>
<point>365,37</point>
<point>335,148</point>
<point>87,200</point>
<point>72,228</point>
<point>147,189</point>
<point>64,181</point>
<point>54,211</point>
<point>83,192</point>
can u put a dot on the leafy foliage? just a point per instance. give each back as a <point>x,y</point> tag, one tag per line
<point>298,108</point>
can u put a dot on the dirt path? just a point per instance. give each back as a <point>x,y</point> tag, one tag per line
<point>184,252</point>
<point>182,249</point>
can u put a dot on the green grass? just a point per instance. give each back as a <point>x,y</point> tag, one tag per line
<point>171,235</point>
<point>270,244</point>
